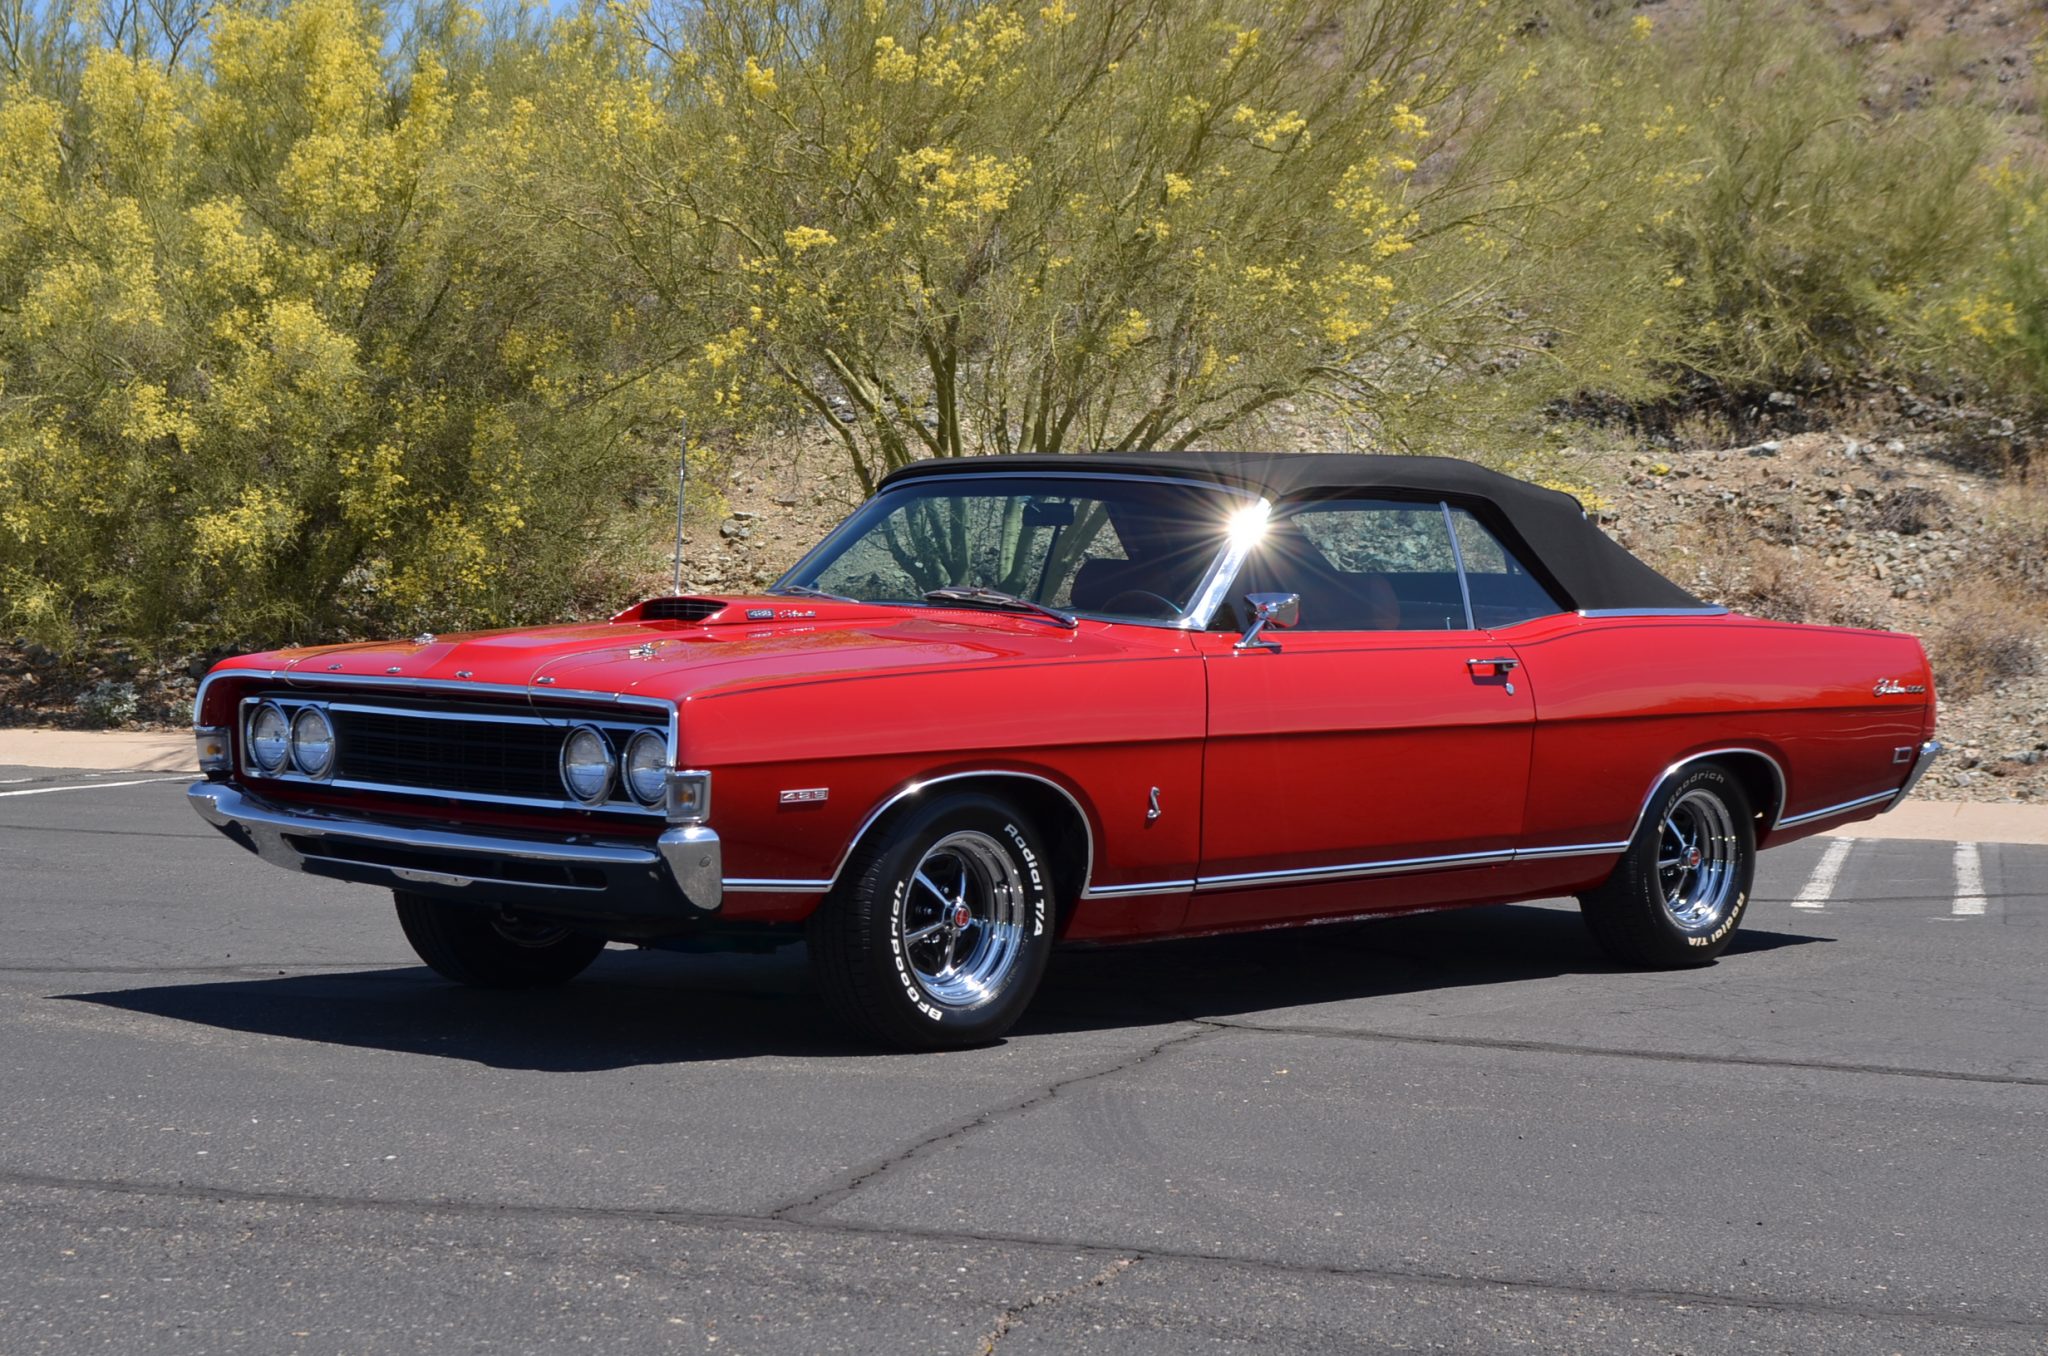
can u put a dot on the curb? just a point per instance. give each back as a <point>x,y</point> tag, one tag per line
<point>1953,821</point>
<point>98,751</point>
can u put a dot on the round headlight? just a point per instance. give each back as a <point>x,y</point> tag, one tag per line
<point>312,742</point>
<point>587,765</point>
<point>270,737</point>
<point>647,767</point>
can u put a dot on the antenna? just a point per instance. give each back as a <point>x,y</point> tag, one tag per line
<point>682,486</point>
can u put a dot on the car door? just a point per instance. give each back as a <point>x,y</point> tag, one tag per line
<point>1376,755</point>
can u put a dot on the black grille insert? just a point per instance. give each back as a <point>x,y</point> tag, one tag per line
<point>492,758</point>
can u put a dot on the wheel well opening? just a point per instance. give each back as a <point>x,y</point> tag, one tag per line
<point>1759,782</point>
<point>1057,818</point>
<point>1064,828</point>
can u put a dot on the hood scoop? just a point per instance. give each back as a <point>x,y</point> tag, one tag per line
<point>690,609</point>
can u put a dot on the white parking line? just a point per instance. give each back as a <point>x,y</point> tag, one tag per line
<point>1969,882</point>
<point>91,786</point>
<point>1821,884</point>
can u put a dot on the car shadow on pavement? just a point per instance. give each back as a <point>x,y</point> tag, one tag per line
<point>1240,975</point>
<point>634,1009</point>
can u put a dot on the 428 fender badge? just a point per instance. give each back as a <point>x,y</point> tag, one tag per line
<point>1892,687</point>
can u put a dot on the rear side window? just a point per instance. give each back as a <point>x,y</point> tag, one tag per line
<point>1503,590</point>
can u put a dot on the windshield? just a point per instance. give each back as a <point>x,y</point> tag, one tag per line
<point>1132,549</point>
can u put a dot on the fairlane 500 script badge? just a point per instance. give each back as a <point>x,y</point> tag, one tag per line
<point>1891,687</point>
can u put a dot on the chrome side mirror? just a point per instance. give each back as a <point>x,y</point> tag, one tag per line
<point>1277,610</point>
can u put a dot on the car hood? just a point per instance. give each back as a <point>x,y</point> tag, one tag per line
<point>773,640</point>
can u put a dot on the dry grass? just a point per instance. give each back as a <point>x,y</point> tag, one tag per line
<point>2017,550</point>
<point>1990,633</point>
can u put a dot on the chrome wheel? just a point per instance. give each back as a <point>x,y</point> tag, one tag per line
<point>1698,853</point>
<point>962,918</point>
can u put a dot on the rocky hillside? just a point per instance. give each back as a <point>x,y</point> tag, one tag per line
<point>1872,531</point>
<point>1888,528</point>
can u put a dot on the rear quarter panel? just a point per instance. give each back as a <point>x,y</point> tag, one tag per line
<point>1618,700</point>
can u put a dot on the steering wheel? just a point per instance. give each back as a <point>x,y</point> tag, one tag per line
<point>1172,608</point>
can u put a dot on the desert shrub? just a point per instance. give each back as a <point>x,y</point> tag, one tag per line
<point>1991,324</point>
<point>1909,510</point>
<point>273,363</point>
<point>1789,228</point>
<point>2016,546</point>
<point>1988,633</point>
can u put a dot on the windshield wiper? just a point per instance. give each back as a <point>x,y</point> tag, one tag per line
<point>976,595</point>
<point>806,591</point>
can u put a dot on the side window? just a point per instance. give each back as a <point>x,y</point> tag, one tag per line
<point>1503,590</point>
<point>1362,565</point>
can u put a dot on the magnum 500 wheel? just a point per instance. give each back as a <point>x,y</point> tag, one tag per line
<point>1680,889</point>
<point>938,932</point>
<point>474,946</point>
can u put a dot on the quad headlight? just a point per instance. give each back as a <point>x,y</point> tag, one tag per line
<point>270,738</point>
<point>587,765</point>
<point>312,742</point>
<point>647,767</point>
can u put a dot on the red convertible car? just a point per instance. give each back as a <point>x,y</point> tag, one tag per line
<point>1018,700</point>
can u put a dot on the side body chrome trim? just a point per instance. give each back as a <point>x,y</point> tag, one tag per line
<point>1809,816</point>
<point>1929,751</point>
<point>1311,874</point>
<point>1570,850</point>
<point>1703,610</point>
<point>1133,891</point>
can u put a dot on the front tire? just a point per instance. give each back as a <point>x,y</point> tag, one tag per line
<point>938,932</point>
<point>487,951</point>
<point>1681,888</point>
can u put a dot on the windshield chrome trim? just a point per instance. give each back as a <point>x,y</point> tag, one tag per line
<point>1223,573</point>
<point>1138,477</point>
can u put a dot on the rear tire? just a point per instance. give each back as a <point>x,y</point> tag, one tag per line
<point>940,927</point>
<point>1682,886</point>
<point>487,951</point>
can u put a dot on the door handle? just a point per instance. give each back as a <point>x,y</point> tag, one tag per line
<point>1498,666</point>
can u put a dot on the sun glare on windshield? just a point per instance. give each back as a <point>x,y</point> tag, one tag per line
<point>1248,524</point>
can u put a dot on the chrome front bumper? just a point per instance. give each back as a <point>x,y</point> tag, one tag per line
<point>676,880</point>
<point>1929,751</point>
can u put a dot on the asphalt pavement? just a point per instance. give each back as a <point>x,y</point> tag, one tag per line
<point>237,1116</point>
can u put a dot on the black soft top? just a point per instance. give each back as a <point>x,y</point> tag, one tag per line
<point>1590,567</point>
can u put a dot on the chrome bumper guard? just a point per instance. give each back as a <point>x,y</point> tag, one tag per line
<point>1928,753</point>
<point>676,880</point>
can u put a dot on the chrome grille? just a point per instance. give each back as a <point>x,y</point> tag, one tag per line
<point>503,753</point>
